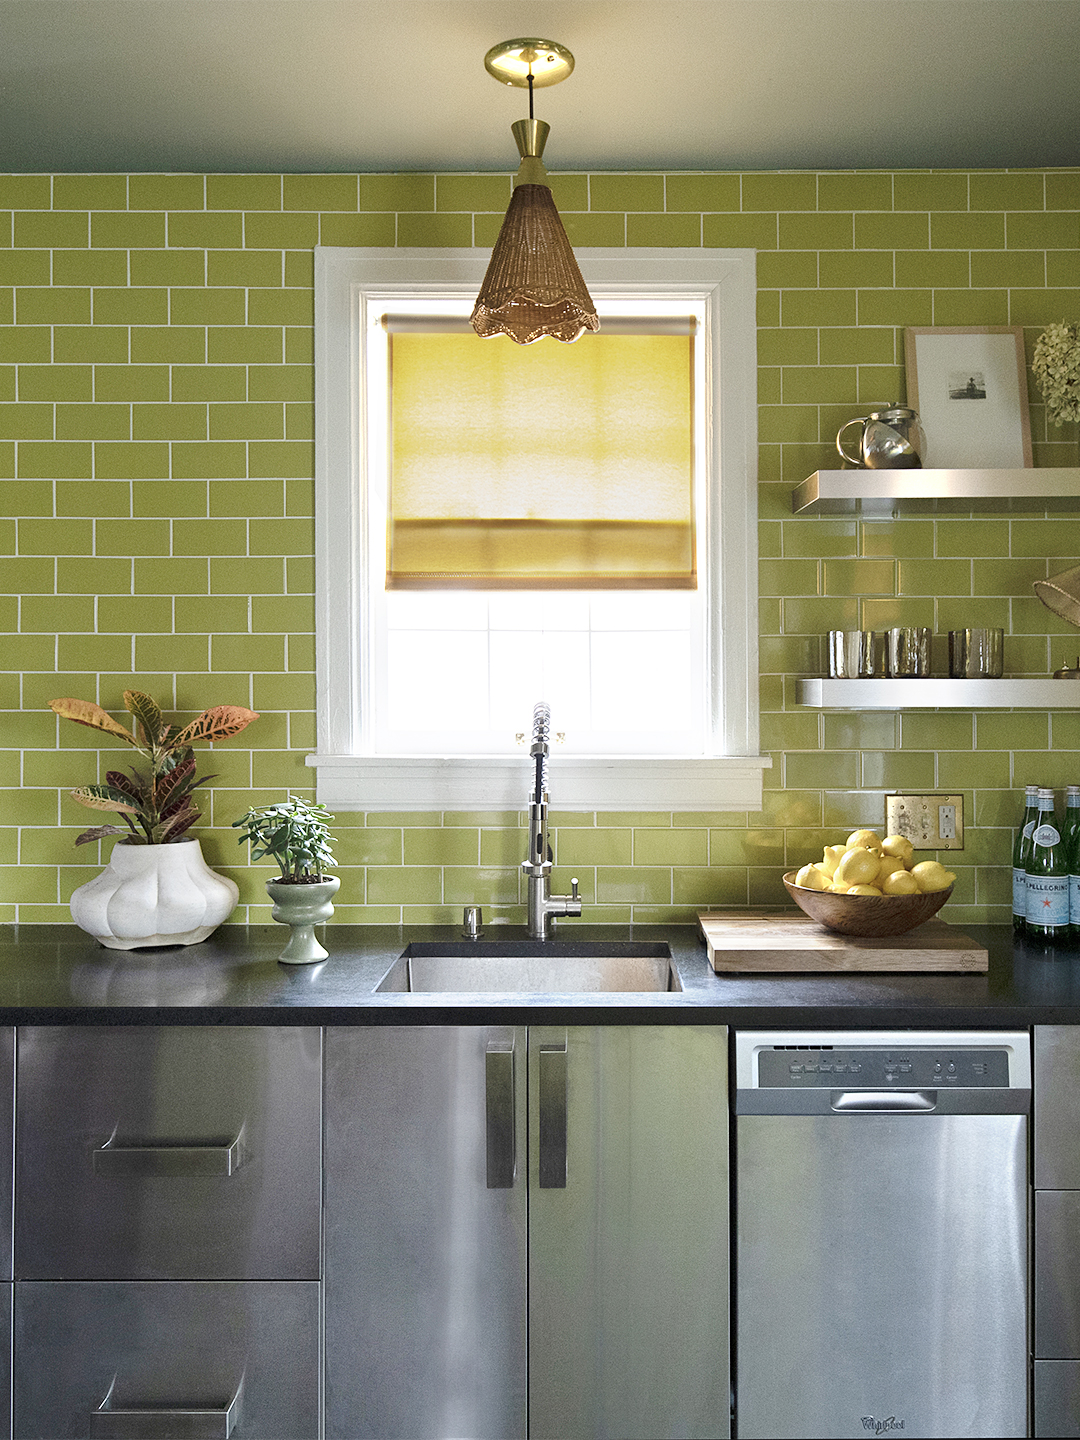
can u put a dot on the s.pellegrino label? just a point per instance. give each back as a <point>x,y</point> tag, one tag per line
<point>1047,903</point>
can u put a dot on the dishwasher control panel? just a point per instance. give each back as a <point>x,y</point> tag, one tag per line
<point>823,1072</point>
<point>839,1067</point>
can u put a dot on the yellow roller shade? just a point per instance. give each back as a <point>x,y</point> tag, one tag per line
<point>541,465</point>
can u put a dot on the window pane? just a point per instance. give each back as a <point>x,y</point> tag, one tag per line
<point>615,668</point>
<point>437,681</point>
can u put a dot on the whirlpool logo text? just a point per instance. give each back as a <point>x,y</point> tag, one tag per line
<point>881,1427</point>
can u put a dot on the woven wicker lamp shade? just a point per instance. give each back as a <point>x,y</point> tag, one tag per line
<point>533,286</point>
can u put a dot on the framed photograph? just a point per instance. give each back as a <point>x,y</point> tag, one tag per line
<point>969,385</point>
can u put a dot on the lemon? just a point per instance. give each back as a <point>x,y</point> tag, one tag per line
<point>865,840</point>
<point>831,858</point>
<point>864,890</point>
<point>900,882</point>
<point>812,877</point>
<point>890,864</point>
<point>931,875</point>
<point>858,867</point>
<point>839,888</point>
<point>900,846</point>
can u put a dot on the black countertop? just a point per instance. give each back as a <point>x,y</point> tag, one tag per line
<point>57,975</point>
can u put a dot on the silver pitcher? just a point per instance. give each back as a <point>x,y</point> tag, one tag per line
<point>891,439</point>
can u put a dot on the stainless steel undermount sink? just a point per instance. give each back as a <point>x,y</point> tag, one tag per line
<point>532,967</point>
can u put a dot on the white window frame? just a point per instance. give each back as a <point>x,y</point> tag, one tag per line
<point>348,283</point>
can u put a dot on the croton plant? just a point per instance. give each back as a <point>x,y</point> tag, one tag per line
<point>156,804</point>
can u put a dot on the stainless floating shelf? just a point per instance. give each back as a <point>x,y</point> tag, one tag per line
<point>837,491</point>
<point>943,694</point>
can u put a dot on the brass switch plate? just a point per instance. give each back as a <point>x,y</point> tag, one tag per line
<point>930,822</point>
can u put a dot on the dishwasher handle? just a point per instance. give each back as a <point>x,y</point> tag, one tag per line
<point>883,1101</point>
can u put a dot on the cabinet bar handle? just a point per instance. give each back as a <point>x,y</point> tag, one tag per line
<point>501,1148</point>
<point>553,1116</point>
<point>156,1422</point>
<point>222,1157</point>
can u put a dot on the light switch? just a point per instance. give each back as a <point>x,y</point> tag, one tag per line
<point>930,822</point>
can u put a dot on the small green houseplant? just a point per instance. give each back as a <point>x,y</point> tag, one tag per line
<point>295,834</point>
<point>156,889</point>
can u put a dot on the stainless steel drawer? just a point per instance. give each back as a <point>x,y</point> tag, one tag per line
<point>1057,1274</point>
<point>1057,1398</point>
<point>1057,1107</point>
<point>7,1147</point>
<point>5,1360</point>
<point>186,1360</point>
<point>168,1152</point>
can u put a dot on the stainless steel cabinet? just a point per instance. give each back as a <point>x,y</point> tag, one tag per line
<point>628,1254</point>
<point>526,1232</point>
<point>168,1152</point>
<point>7,1162</point>
<point>167,1233</point>
<point>425,1260</point>
<point>1057,1230</point>
<point>138,1360</point>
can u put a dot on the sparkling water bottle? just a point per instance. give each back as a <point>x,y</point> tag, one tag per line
<point>1073,856</point>
<point>1047,874</point>
<point>1021,851</point>
<point>1072,814</point>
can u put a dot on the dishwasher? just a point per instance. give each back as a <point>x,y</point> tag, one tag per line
<point>881,1233</point>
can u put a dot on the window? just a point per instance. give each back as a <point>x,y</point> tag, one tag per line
<point>386,741</point>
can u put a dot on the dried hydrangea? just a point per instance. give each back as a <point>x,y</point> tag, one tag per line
<point>1056,364</point>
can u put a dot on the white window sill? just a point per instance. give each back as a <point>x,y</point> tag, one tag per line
<point>356,782</point>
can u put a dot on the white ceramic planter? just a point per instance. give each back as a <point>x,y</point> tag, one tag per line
<point>302,907</point>
<point>154,895</point>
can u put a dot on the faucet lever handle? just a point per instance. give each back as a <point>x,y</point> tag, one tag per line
<point>574,888</point>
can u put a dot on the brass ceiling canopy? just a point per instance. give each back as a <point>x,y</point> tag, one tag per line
<point>533,286</point>
<point>514,61</point>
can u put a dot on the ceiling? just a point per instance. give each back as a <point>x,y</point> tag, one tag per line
<point>380,85</point>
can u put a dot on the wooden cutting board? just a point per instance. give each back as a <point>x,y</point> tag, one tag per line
<point>742,942</point>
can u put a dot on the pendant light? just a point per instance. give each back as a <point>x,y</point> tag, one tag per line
<point>533,286</point>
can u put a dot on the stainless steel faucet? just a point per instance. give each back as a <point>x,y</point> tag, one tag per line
<point>544,907</point>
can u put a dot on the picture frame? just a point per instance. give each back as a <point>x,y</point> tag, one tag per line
<point>969,386</point>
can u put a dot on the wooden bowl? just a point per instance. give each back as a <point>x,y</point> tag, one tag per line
<point>869,915</point>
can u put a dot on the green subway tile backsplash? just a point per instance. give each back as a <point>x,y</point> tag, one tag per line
<point>156,387</point>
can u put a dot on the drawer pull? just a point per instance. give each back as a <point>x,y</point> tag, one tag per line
<point>170,1160</point>
<point>501,1148</point>
<point>553,1116</point>
<point>161,1422</point>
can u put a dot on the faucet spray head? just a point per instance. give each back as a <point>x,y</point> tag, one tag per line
<point>539,748</point>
